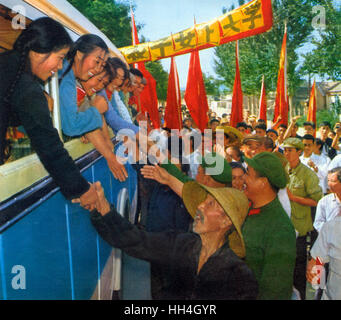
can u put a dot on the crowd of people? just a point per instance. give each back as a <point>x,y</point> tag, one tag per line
<point>244,212</point>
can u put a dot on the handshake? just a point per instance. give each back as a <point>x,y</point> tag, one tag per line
<point>98,200</point>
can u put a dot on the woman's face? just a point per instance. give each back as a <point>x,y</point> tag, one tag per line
<point>45,65</point>
<point>87,66</point>
<point>97,82</point>
<point>117,81</point>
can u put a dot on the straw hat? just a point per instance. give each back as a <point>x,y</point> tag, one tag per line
<point>233,133</point>
<point>233,202</point>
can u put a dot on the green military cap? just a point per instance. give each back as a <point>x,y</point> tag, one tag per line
<point>269,166</point>
<point>222,170</point>
<point>293,143</point>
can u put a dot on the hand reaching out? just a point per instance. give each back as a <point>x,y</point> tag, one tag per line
<point>155,173</point>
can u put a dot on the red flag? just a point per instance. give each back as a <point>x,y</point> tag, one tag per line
<point>237,98</point>
<point>312,105</point>
<point>173,105</point>
<point>262,102</point>
<point>147,101</point>
<point>195,95</point>
<point>281,104</point>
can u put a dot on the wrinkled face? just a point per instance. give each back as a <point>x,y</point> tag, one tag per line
<point>86,66</point>
<point>238,179</point>
<point>333,183</point>
<point>210,217</point>
<point>309,147</point>
<point>253,183</point>
<point>45,65</point>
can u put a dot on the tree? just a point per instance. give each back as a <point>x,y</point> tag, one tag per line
<point>161,77</point>
<point>325,58</point>
<point>260,54</point>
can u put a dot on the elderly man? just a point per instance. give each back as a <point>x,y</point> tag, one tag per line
<point>330,205</point>
<point>268,232</point>
<point>304,192</point>
<point>204,264</point>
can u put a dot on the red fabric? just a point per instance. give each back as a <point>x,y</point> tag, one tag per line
<point>312,105</point>
<point>173,105</point>
<point>195,95</point>
<point>109,94</point>
<point>262,103</point>
<point>281,104</point>
<point>253,211</point>
<point>237,98</point>
<point>147,101</point>
<point>80,95</point>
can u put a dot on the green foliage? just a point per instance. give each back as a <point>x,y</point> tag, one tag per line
<point>110,16</point>
<point>260,54</point>
<point>325,59</point>
<point>161,77</point>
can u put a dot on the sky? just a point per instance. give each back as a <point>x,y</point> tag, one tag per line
<point>163,17</point>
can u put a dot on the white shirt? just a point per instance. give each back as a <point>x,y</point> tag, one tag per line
<point>327,209</point>
<point>193,159</point>
<point>336,162</point>
<point>321,162</point>
<point>121,108</point>
<point>284,200</point>
<point>328,247</point>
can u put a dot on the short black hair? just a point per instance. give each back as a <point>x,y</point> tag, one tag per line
<point>237,165</point>
<point>214,120</point>
<point>325,124</point>
<point>273,131</point>
<point>282,125</point>
<point>308,137</point>
<point>309,123</point>
<point>261,126</point>
<point>136,72</point>
<point>241,124</point>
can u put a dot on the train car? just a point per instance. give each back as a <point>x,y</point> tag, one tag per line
<point>48,247</point>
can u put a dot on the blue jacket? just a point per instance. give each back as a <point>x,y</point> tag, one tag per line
<point>75,123</point>
<point>113,119</point>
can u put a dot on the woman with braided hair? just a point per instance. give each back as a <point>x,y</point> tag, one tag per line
<point>37,54</point>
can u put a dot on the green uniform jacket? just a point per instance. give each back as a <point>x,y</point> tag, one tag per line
<point>270,243</point>
<point>303,182</point>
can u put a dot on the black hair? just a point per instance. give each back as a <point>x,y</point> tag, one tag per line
<point>261,126</point>
<point>175,141</point>
<point>86,44</point>
<point>283,126</point>
<point>319,142</point>
<point>136,72</point>
<point>43,35</point>
<point>214,120</point>
<point>241,124</point>
<point>273,131</point>
<point>309,123</point>
<point>325,124</point>
<point>237,165</point>
<point>308,137</point>
<point>261,121</point>
<point>113,64</point>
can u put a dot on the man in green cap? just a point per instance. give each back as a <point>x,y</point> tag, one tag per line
<point>304,192</point>
<point>268,232</point>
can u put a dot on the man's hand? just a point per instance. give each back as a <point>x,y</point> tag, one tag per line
<point>102,205</point>
<point>156,173</point>
<point>88,199</point>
